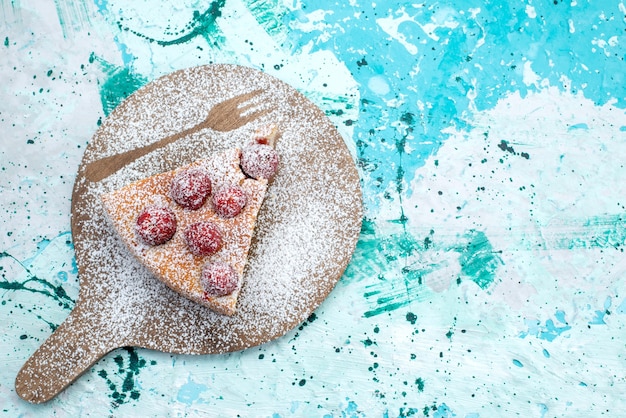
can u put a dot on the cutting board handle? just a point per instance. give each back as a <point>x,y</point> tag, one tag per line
<point>71,349</point>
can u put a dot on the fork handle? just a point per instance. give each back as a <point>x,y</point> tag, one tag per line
<point>104,167</point>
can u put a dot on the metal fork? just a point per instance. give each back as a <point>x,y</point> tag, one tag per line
<point>226,116</point>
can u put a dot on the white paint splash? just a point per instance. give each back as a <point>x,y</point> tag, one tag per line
<point>391,24</point>
<point>542,177</point>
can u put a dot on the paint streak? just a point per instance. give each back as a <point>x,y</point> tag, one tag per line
<point>43,244</point>
<point>119,83</point>
<point>407,281</point>
<point>478,259</point>
<point>14,12</point>
<point>269,14</point>
<point>582,126</point>
<point>391,291</point>
<point>35,284</point>
<point>73,16</point>
<point>202,24</point>
<point>595,232</point>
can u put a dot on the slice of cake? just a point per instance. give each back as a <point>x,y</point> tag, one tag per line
<point>192,227</point>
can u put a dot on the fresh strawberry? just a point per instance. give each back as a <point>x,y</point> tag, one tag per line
<point>203,238</point>
<point>259,161</point>
<point>218,279</point>
<point>156,224</point>
<point>190,188</point>
<point>229,201</point>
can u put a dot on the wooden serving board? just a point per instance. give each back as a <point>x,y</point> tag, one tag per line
<point>306,232</point>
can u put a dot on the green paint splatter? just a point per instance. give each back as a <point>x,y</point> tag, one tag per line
<point>373,256</point>
<point>128,368</point>
<point>397,292</point>
<point>380,258</point>
<point>478,259</point>
<point>384,257</point>
<point>386,304</point>
<point>368,342</point>
<point>36,284</point>
<point>419,382</point>
<point>120,82</point>
<point>400,290</point>
<point>6,41</point>
<point>201,24</point>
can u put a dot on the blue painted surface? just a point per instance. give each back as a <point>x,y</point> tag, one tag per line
<point>490,137</point>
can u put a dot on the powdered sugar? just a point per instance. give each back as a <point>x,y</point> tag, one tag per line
<point>305,234</point>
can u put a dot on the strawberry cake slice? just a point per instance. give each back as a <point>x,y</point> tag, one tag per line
<point>192,227</point>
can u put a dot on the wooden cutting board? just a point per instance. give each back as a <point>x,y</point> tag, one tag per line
<point>306,232</point>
